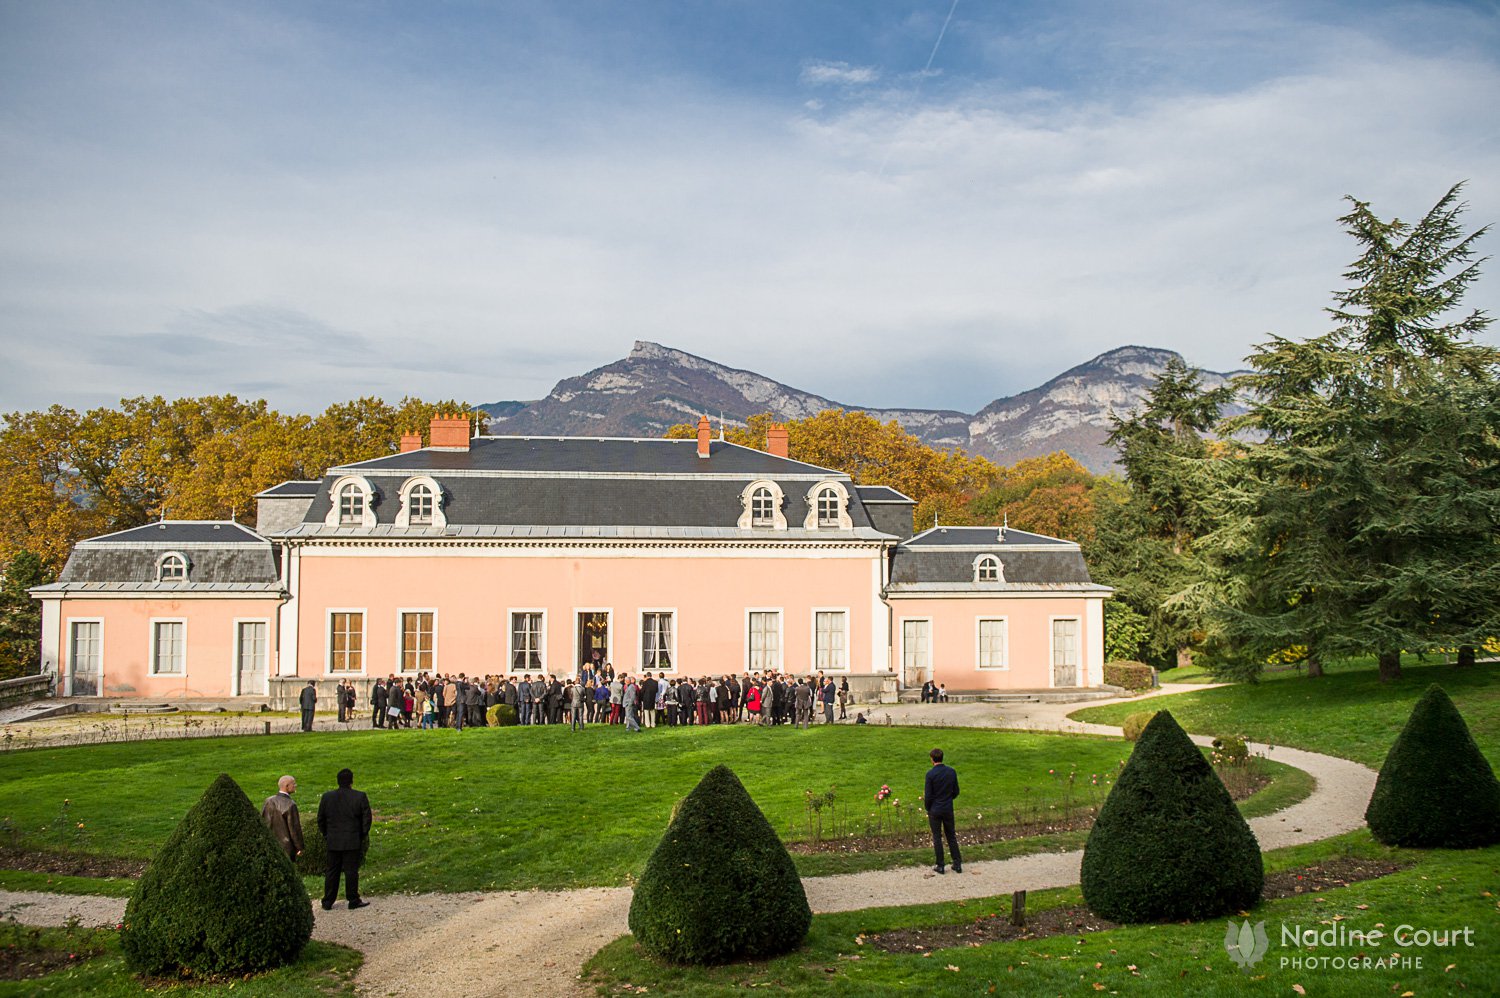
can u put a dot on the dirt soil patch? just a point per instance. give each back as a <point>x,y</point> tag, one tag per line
<point>23,963</point>
<point>69,864</point>
<point>1074,919</point>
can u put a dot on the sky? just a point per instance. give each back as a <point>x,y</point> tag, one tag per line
<point>919,203</point>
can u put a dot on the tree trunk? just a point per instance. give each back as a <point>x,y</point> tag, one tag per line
<point>1314,667</point>
<point>1465,656</point>
<point>1390,666</point>
<point>1184,657</point>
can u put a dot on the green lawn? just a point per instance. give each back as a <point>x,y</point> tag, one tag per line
<point>324,969</point>
<point>512,808</point>
<point>1347,712</point>
<point>1443,889</point>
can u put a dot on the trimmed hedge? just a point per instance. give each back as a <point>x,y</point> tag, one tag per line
<point>502,715</point>
<point>1129,675</point>
<point>1136,723</point>
<point>1169,844</point>
<point>720,885</point>
<point>221,898</point>
<point>1436,789</point>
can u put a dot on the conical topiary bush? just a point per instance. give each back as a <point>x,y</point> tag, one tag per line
<point>220,898</point>
<point>1436,789</point>
<point>720,885</point>
<point>1169,844</point>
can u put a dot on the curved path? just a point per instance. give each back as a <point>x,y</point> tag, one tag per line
<point>533,942</point>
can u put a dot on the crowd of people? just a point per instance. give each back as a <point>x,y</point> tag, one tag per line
<point>602,696</point>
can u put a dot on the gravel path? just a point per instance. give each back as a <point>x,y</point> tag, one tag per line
<point>533,942</point>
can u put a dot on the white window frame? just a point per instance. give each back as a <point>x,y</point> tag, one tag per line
<point>401,612</point>
<point>266,656</point>
<point>1077,618</point>
<point>151,661</point>
<point>931,641</point>
<point>981,561</point>
<point>609,645</point>
<point>510,640</point>
<point>1004,643</point>
<point>439,517</point>
<point>364,642</point>
<point>335,495</point>
<point>672,645</point>
<point>161,566</point>
<point>780,638</point>
<point>778,503</point>
<point>841,493</point>
<point>68,651</point>
<point>813,639</point>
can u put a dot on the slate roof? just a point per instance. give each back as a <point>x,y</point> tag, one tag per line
<point>548,486</point>
<point>942,559</point>
<point>881,493</point>
<point>982,537</point>
<point>290,490</point>
<point>221,556</point>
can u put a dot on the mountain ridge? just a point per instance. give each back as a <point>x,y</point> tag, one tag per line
<point>656,386</point>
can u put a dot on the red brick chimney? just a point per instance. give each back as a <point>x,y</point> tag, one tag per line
<point>705,434</point>
<point>776,439</point>
<point>410,442</point>
<point>449,432</point>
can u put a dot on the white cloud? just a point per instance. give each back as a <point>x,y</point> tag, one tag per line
<point>839,73</point>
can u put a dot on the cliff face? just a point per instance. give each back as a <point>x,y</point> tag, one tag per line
<point>655,386</point>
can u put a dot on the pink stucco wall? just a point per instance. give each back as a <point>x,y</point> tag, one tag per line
<point>209,662</point>
<point>473,597</point>
<point>954,639</point>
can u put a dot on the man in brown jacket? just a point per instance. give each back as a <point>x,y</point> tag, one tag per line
<point>279,812</point>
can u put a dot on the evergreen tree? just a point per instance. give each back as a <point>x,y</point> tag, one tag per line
<point>720,885</point>
<point>1436,789</point>
<point>21,616</point>
<point>1146,544</point>
<point>1367,519</point>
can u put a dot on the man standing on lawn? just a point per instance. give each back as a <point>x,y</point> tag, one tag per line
<point>344,818</point>
<point>279,812</point>
<point>937,797</point>
<point>308,701</point>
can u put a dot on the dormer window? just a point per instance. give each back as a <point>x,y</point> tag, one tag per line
<point>352,503</point>
<point>421,504</point>
<point>172,567</point>
<point>351,507</point>
<point>762,508</point>
<point>987,568</point>
<point>828,507</point>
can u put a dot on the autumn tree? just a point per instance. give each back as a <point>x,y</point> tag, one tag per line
<point>1052,495</point>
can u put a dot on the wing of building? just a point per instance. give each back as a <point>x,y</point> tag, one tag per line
<point>486,555</point>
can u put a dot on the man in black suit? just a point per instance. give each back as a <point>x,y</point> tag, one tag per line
<point>344,819</point>
<point>937,797</point>
<point>379,698</point>
<point>308,701</point>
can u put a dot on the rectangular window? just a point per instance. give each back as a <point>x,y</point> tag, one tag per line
<point>525,642</point>
<point>656,640</point>
<point>1065,652</point>
<point>252,645</point>
<point>346,642</point>
<point>992,643</point>
<point>416,641</point>
<point>168,647</point>
<point>916,649</point>
<point>830,640</point>
<point>85,648</point>
<point>765,640</point>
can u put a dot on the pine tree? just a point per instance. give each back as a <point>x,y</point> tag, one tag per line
<point>1370,514</point>
<point>20,615</point>
<point>720,885</point>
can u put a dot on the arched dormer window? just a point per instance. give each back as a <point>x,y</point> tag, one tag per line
<point>987,568</point>
<point>761,507</point>
<point>421,504</point>
<point>172,567</point>
<point>352,503</point>
<point>828,507</point>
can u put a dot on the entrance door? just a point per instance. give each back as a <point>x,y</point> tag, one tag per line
<point>593,638</point>
<point>250,645</point>
<point>916,652</point>
<point>1065,652</point>
<point>84,649</point>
